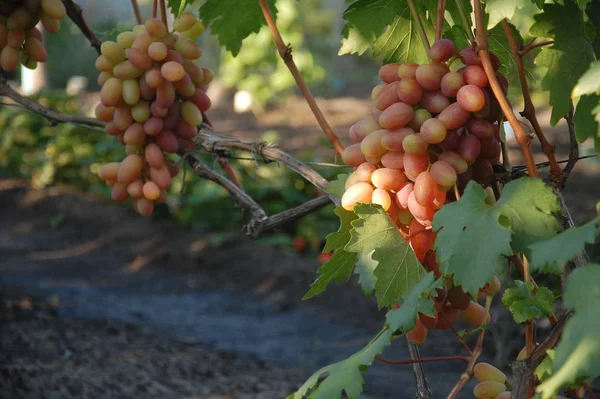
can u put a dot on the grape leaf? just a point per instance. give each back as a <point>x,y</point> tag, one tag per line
<point>398,269</point>
<point>568,58</point>
<point>365,266</point>
<point>345,376</point>
<point>587,119</point>
<point>401,41</point>
<point>339,268</point>
<point>338,239</point>
<point>234,20</point>
<point>544,370</point>
<point>419,300</point>
<point>459,36</point>
<point>589,82</point>
<point>526,305</point>
<point>593,14</point>
<point>177,6</point>
<point>500,9</point>
<point>471,243</point>
<point>530,205</point>
<point>337,187</point>
<point>552,255</point>
<point>577,357</point>
<point>499,45</point>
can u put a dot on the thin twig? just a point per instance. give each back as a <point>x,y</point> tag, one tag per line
<point>76,14</point>
<point>136,11</point>
<point>529,109</point>
<point>53,116</point>
<point>439,26</point>
<point>422,360</point>
<point>466,376</point>
<point>154,8</point>
<point>163,13</point>
<point>532,46</point>
<point>482,47</point>
<point>420,28</point>
<point>285,52</point>
<point>574,147</point>
<point>423,390</point>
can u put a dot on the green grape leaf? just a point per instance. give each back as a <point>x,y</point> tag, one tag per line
<point>337,187</point>
<point>458,35</point>
<point>500,9</point>
<point>552,255</point>
<point>471,244</point>
<point>593,14</point>
<point>345,376</point>
<point>577,357</point>
<point>398,269</point>
<point>530,205</point>
<point>544,370</point>
<point>177,6</point>
<point>526,305</point>
<point>234,20</point>
<point>499,45</point>
<point>365,21</point>
<point>338,239</point>
<point>589,82</point>
<point>568,58</point>
<point>418,300</point>
<point>365,267</point>
<point>339,268</point>
<point>587,118</point>
<point>401,41</point>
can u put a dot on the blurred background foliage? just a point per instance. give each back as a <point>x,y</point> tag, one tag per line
<point>68,154</point>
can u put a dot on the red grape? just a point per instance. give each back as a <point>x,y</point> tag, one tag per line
<point>389,73</point>
<point>409,91</point>
<point>470,98</point>
<point>433,131</point>
<point>442,50</point>
<point>396,116</point>
<point>451,83</point>
<point>454,116</point>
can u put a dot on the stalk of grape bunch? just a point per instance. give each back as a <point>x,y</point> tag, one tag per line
<point>20,41</point>
<point>152,99</point>
<point>433,129</point>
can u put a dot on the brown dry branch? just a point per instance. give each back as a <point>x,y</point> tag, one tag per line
<point>482,48</point>
<point>573,145</point>
<point>76,14</point>
<point>285,52</point>
<point>529,109</point>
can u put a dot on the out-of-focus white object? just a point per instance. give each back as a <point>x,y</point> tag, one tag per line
<point>76,85</point>
<point>242,101</point>
<point>508,130</point>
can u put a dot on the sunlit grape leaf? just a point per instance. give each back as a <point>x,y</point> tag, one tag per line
<point>341,265</point>
<point>419,300</point>
<point>338,239</point>
<point>552,255</point>
<point>401,41</point>
<point>568,58</point>
<point>587,118</point>
<point>365,21</point>
<point>398,269</point>
<point>544,370</point>
<point>589,82</point>
<point>177,6</point>
<point>471,243</point>
<point>526,305</point>
<point>345,376</point>
<point>234,20</point>
<point>500,9</point>
<point>499,45</point>
<point>339,268</point>
<point>337,187</point>
<point>577,357</point>
<point>365,267</point>
<point>530,205</point>
<point>458,35</point>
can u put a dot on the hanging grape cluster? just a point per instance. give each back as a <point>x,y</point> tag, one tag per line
<point>432,131</point>
<point>20,41</point>
<point>153,99</point>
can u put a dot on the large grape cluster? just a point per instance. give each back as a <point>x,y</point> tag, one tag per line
<point>432,130</point>
<point>153,99</point>
<point>20,40</point>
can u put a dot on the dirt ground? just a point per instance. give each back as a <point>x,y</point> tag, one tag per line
<point>98,302</point>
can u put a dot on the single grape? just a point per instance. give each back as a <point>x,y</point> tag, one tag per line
<point>161,177</point>
<point>425,189</point>
<point>442,50</point>
<point>481,128</point>
<point>54,9</point>
<point>451,157</point>
<point>185,21</point>
<point>104,113</point>
<point>154,156</point>
<point>420,116</point>
<point>188,48</point>
<point>443,173</point>
<point>140,58</point>
<point>458,298</point>
<point>131,91</point>
<point>403,193</point>
<point>468,56</point>
<point>475,314</point>
<point>130,169</point>
<point>433,131</point>
<point>470,98</point>
<point>393,160</point>
<point>488,389</point>
<point>389,73</point>
<point>434,101</point>
<point>351,180</point>
<point>475,75</point>
<point>447,317</point>
<point>113,52</point>
<point>381,197</point>
<point>110,94</point>
<point>172,71</point>
<point>109,171</point>
<point>483,173</point>
<point>420,238</point>
<point>371,145</point>
<point>418,334</point>
<point>423,214</point>
<point>415,144</point>
<point>167,141</point>
<point>364,171</point>
<point>135,134</point>
<point>352,155</point>
<point>387,96</point>
<point>155,28</point>
<point>415,164</point>
<point>451,141</point>
<point>135,188</point>
<point>140,112</point>
<point>126,70</point>
<point>119,192</point>
<point>126,39</point>
<point>151,191</point>
<point>358,193</point>
<point>486,372</point>
<point>429,76</point>
<point>409,91</point>
<point>493,287</point>
<point>407,70</point>
<point>144,206</point>
<point>165,95</point>
<point>451,83</point>
<point>469,148</point>
<point>428,321</point>
<point>388,179</point>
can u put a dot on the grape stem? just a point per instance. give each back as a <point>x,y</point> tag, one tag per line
<point>136,11</point>
<point>532,46</point>
<point>163,13</point>
<point>482,49</point>
<point>439,26</point>
<point>420,28</point>
<point>466,376</point>
<point>573,144</point>
<point>285,52</point>
<point>529,109</point>
<point>422,360</point>
<point>75,13</point>
<point>154,8</point>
